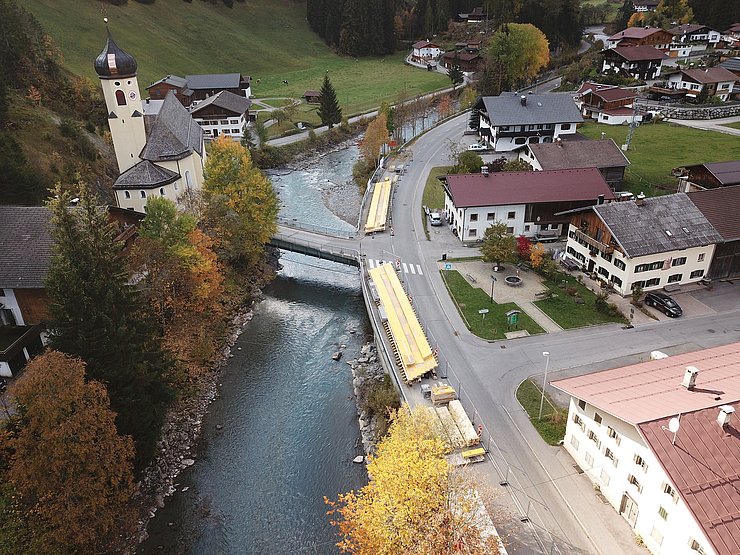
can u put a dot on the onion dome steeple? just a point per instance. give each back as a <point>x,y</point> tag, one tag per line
<point>113,62</point>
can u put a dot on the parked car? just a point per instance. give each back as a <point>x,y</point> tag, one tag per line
<point>477,147</point>
<point>435,218</point>
<point>664,303</point>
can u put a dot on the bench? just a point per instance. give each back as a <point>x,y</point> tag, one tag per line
<point>471,278</point>
<point>671,288</point>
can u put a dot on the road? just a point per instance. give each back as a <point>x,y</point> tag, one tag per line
<point>564,514</point>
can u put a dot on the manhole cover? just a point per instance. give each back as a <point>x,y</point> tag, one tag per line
<point>710,330</point>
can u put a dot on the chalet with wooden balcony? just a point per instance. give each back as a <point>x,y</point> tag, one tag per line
<point>511,120</point>
<point>713,81</point>
<point>710,175</point>
<point>638,62</point>
<point>192,89</point>
<point>646,243</point>
<point>607,103</point>
<point>641,36</point>
<point>720,206</point>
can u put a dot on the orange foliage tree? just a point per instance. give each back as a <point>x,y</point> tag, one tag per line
<point>415,504</point>
<point>72,470</point>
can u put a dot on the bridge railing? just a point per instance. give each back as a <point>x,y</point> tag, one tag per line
<point>328,231</point>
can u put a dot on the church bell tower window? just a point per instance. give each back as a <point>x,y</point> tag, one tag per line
<point>120,98</point>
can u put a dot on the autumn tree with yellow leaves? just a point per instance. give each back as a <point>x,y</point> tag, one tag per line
<point>241,206</point>
<point>415,503</point>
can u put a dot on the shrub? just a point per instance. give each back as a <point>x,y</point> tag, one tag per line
<point>601,303</point>
<point>382,397</point>
<point>572,291</point>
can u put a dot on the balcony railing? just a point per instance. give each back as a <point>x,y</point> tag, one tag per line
<point>598,245</point>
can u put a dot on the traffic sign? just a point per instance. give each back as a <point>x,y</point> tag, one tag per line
<point>448,266</point>
<point>483,311</point>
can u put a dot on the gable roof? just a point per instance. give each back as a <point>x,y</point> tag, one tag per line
<point>704,466</point>
<point>214,81</point>
<point>424,44</point>
<point>727,173</point>
<point>174,134</point>
<point>634,33</point>
<point>720,207</point>
<point>501,188</point>
<point>661,224</point>
<point>710,75</point>
<point>688,29</point>
<point>703,462</point>
<point>609,93</point>
<point>579,154</point>
<point>145,175</point>
<point>225,100</point>
<point>174,80</point>
<point>651,390</point>
<point>733,64</point>
<point>507,109</point>
<point>462,55</point>
<point>638,53</point>
<point>25,246</point>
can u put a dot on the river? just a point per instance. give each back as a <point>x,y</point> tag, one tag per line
<point>289,424</point>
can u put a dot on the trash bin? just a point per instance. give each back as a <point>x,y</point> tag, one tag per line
<point>444,256</point>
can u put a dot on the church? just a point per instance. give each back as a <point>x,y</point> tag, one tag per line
<point>158,156</point>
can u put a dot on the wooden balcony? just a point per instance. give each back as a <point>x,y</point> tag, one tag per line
<point>598,245</point>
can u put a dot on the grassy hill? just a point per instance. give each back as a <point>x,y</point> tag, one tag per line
<point>267,39</point>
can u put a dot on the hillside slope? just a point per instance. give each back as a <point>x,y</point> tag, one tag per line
<point>267,39</point>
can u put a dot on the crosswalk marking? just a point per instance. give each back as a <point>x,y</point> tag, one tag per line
<point>408,268</point>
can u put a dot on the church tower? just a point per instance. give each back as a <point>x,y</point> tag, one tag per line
<point>117,72</point>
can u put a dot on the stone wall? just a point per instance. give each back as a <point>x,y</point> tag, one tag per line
<point>692,112</point>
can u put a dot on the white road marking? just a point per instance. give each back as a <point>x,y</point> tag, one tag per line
<point>405,268</point>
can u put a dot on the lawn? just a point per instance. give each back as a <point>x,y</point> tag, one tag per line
<point>471,299</point>
<point>735,125</point>
<point>563,308</point>
<point>434,195</point>
<point>658,148</point>
<point>552,425</point>
<point>268,40</point>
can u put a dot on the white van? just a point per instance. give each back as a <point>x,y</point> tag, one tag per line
<point>435,218</point>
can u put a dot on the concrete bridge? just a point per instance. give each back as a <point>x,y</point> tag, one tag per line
<point>319,244</point>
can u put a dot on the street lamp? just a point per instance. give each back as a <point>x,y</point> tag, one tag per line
<point>493,286</point>
<point>545,354</point>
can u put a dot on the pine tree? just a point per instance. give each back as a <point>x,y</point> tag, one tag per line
<point>329,110</point>
<point>98,317</point>
<point>624,15</point>
<point>455,74</point>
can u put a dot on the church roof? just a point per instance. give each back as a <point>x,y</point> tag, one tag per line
<point>145,175</point>
<point>113,62</point>
<point>174,134</point>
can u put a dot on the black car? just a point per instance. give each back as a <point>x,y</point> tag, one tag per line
<point>664,303</point>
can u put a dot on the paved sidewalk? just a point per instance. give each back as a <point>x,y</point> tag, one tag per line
<point>719,125</point>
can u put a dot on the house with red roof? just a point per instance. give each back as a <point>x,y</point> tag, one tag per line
<point>714,81</point>
<point>641,36</point>
<point>638,62</point>
<point>425,51</point>
<point>660,440</point>
<point>527,202</point>
<point>468,62</point>
<point>607,103</point>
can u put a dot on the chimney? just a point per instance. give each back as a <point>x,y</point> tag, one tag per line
<point>601,199</point>
<point>689,378</point>
<point>484,171</point>
<point>523,98</point>
<point>725,415</point>
<point>640,200</point>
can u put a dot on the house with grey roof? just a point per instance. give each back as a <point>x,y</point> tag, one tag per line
<point>646,243</point>
<point>224,113</point>
<point>604,155</point>
<point>512,120</point>
<point>193,89</point>
<point>160,154</point>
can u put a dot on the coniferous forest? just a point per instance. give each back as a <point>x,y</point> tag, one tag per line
<point>377,27</point>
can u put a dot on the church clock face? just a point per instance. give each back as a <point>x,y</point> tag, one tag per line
<point>132,95</point>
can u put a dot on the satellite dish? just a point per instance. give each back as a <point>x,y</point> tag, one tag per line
<point>674,424</point>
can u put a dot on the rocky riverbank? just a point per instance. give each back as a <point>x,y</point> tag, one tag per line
<point>365,370</point>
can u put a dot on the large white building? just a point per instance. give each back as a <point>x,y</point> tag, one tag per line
<point>660,440</point>
<point>527,202</point>
<point>164,158</point>
<point>511,120</point>
<point>648,243</point>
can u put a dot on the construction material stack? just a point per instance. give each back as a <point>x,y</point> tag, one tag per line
<point>463,423</point>
<point>442,394</point>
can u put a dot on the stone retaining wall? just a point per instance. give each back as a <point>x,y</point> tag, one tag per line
<point>690,112</point>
